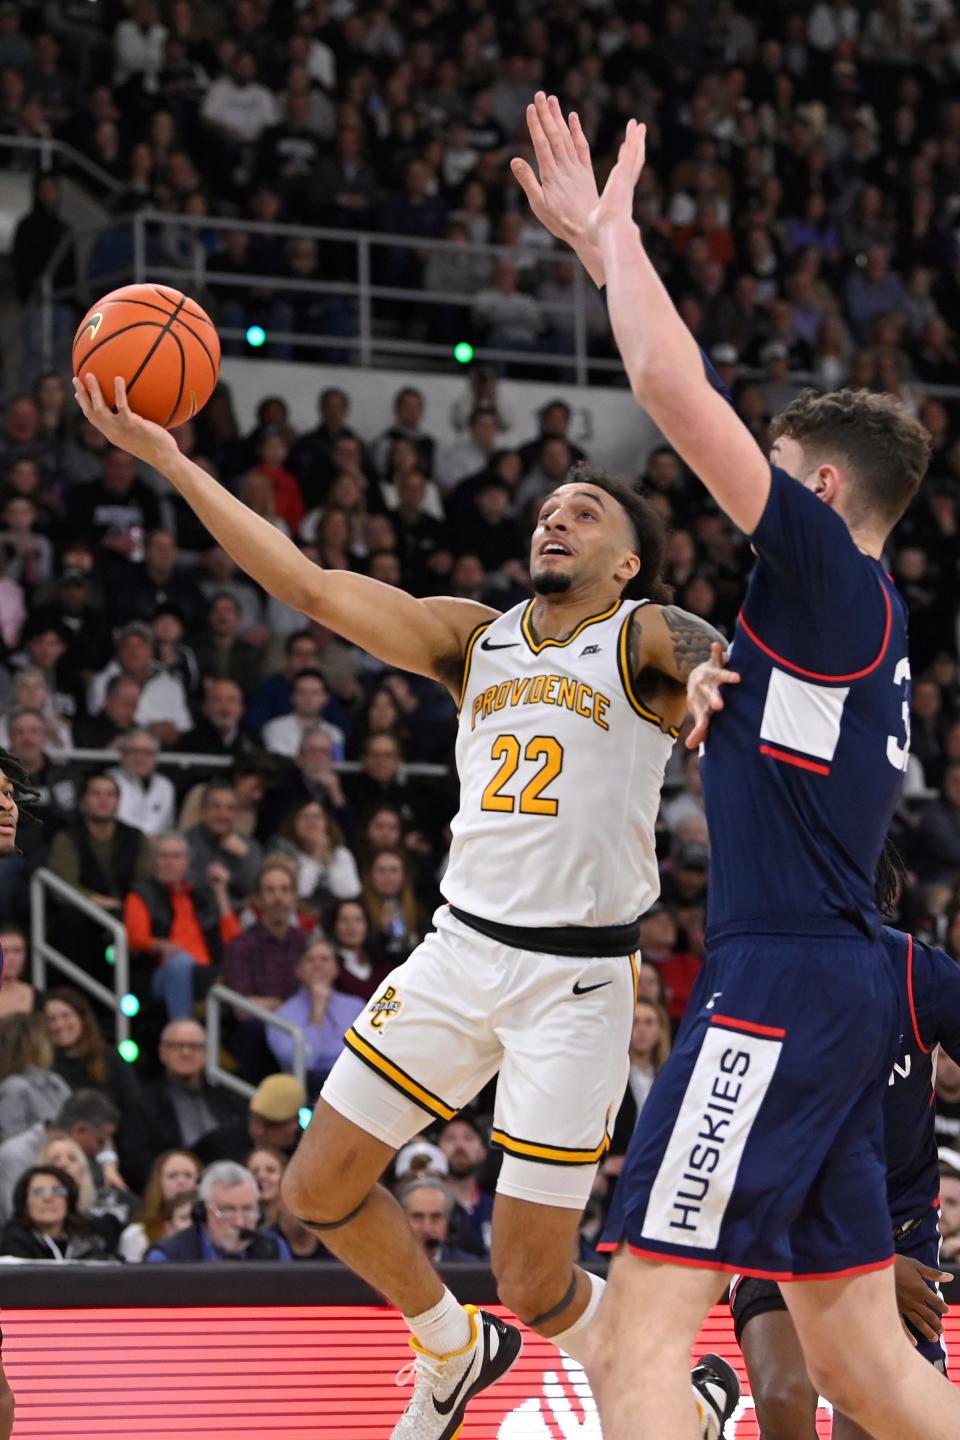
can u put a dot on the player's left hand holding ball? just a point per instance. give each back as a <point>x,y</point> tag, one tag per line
<point>122,427</point>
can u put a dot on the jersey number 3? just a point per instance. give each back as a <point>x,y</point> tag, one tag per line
<point>506,749</point>
<point>898,754</point>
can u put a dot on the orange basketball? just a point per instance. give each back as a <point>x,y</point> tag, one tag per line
<point>160,342</point>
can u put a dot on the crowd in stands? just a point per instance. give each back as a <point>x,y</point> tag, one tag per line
<point>273,809</point>
<point>800,195</point>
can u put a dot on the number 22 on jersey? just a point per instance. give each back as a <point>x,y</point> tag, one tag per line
<point>544,749</point>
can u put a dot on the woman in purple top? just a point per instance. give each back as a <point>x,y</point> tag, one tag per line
<point>322,1012</point>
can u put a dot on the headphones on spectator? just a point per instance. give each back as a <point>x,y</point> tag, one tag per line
<point>198,1214</point>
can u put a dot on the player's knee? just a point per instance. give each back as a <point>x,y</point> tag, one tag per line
<point>532,1290</point>
<point>786,1407</point>
<point>848,1388</point>
<point>318,1192</point>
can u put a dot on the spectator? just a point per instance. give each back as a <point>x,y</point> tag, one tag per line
<point>162,706</point>
<point>309,699</point>
<point>30,1089</point>
<point>300,650</point>
<point>87,1117</point>
<point>98,854</point>
<point>468,456</point>
<point>157,584</point>
<point>553,424</point>
<point>463,1143</point>
<point>81,1056</point>
<point>312,457</point>
<point>118,716</point>
<point>249,777</point>
<point>510,320</point>
<point>147,799</point>
<point>649,1052</point>
<point>107,1209</point>
<point>428,1204</point>
<point>173,1174</point>
<point>266,1164</point>
<point>117,509</point>
<point>876,291</point>
<point>179,926</point>
<point>273,1118</point>
<point>31,692</point>
<point>396,919</point>
<point>949,1210</point>
<point>326,869</point>
<point>363,968</point>
<point>408,410</point>
<point>17,996</point>
<point>222,653</point>
<point>46,1223</point>
<point>947,1100</point>
<point>215,840</point>
<point>260,963</point>
<point>227,1226</point>
<point>313,778</point>
<point>321,1012</point>
<point>938,837</point>
<point>237,109</point>
<point>379,782</point>
<point>181,1107</point>
<point>219,729</point>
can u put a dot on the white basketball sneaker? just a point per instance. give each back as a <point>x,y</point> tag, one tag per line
<point>716,1394</point>
<point>444,1385</point>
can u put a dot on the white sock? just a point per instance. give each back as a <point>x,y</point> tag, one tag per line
<point>573,1341</point>
<point>443,1329</point>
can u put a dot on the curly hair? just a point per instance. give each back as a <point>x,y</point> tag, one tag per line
<point>886,450</point>
<point>24,794</point>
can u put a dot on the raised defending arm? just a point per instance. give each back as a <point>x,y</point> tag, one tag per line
<point>428,637</point>
<point>663,361</point>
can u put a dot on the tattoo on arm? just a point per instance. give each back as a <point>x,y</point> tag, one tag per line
<point>691,639</point>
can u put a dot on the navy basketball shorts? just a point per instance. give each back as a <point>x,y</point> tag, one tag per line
<point>760,1148</point>
<point>750,1297</point>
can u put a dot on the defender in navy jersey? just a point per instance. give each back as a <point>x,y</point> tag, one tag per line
<point>761,1144</point>
<point>786,1402</point>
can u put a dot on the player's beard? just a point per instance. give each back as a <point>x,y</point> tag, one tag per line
<point>550,582</point>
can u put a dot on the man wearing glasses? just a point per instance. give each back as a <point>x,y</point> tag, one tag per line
<point>225,1223</point>
<point>181,1107</point>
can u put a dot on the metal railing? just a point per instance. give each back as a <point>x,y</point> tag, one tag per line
<point>152,238</point>
<point>220,995</point>
<point>48,154</point>
<point>187,759</point>
<point>43,882</point>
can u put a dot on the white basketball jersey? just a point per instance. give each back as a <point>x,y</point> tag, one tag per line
<point>561,767</point>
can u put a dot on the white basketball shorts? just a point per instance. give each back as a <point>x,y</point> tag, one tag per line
<point>464,1007</point>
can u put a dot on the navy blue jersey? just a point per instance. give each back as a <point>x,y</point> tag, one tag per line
<point>802,769</point>
<point>930,986</point>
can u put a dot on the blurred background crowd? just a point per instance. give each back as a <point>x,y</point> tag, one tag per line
<point>256,801</point>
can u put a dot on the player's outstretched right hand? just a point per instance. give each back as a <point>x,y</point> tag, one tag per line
<point>704,697</point>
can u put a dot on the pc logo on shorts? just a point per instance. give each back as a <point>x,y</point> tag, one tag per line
<point>385,1007</point>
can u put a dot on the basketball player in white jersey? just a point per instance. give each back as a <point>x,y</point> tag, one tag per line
<point>568,710</point>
